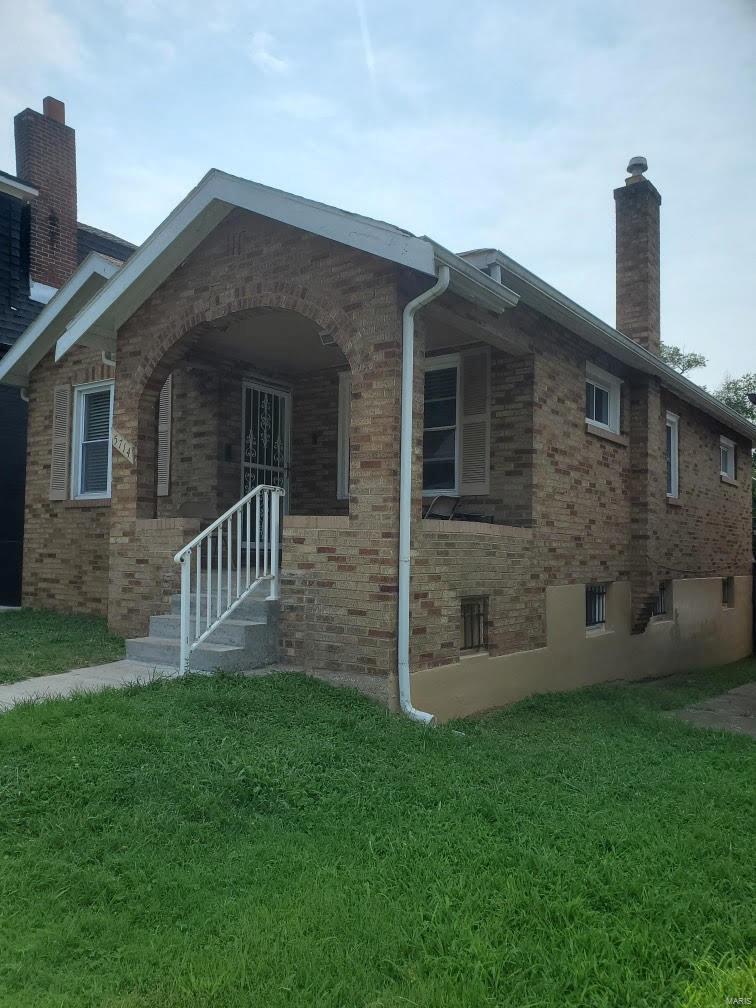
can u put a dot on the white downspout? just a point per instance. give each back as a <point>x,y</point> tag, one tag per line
<point>405,492</point>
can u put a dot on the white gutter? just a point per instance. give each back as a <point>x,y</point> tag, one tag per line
<point>549,301</point>
<point>405,492</point>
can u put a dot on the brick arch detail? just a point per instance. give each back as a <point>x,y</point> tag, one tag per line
<point>156,367</point>
<point>196,321</point>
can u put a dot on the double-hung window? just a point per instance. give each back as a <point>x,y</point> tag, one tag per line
<point>672,452</point>
<point>93,420</point>
<point>441,426</point>
<point>603,393</point>
<point>727,458</point>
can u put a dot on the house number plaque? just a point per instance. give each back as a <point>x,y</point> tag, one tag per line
<point>124,446</point>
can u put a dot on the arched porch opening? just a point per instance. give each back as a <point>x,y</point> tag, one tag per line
<point>262,395</point>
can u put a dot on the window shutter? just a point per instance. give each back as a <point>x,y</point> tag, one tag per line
<point>164,439</point>
<point>61,428</point>
<point>343,435</point>
<point>475,424</point>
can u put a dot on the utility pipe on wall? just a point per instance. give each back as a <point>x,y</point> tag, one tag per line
<point>405,492</point>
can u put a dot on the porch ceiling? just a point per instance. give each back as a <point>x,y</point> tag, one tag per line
<point>272,340</point>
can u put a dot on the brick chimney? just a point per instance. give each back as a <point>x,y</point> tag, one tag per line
<point>46,157</point>
<point>637,210</point>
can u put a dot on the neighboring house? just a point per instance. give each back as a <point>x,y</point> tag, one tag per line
<point>601,503</point>
<point>42,243</point>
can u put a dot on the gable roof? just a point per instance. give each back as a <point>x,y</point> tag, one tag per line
<point>206,206</point>
<point>92,239</point>
<point>96,320</point>
<point>44,332</point>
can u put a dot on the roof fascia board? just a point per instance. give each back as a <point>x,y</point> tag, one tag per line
<point>39,337</point>
<point>202,210</point>
<point>553,303</point>
<point>363,233</point>
<point>12,187</point>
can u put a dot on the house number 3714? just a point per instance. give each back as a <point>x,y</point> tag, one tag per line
<point>124,446</point>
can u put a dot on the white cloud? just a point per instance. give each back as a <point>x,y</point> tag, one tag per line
<point>261,53</point>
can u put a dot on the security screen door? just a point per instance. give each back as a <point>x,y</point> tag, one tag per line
<point>265,438</point>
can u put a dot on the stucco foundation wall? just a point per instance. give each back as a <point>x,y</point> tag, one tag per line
<point>66,563</point>
<point>701,633</point>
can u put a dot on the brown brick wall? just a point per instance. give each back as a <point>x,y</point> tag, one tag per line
<point>709,533</point>
<point>195,456</point>
<point>245,264</point>
<point>66,560</point>
<point>46,157</point>
<point>597,506</point>
<point>338,595</point>
<point>314,445</point>
<point>455,560</point>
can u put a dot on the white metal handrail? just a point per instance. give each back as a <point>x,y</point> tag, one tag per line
<point>251,549</point>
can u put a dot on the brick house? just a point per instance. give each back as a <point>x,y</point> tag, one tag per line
<point>480,490</point>
<point>43,243</point>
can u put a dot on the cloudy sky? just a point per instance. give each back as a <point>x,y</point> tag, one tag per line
<point>479,122</point>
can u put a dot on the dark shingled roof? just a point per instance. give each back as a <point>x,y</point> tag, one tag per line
<point>90,239</point>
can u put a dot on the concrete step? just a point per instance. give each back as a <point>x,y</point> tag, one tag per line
<point>205,657</point>
<point>231,631</point>
<point>254,605</point>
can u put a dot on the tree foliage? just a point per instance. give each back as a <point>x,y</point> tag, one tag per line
<point>681,360</point>
<point>734,392</point>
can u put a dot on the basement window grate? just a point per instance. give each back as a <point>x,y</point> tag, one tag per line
<point>475,624</point>
<point>595,605</point>
<point>661,604</point>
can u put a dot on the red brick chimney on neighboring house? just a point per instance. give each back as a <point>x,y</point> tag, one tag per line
<point>46,157</point>
<point>637,209</point>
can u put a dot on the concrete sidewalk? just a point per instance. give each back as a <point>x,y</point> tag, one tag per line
<point>734,711</point>
<point>85,680</point>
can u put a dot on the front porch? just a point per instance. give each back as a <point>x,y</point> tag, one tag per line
<point>266,396</point>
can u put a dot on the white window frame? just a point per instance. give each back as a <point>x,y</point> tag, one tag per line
<point>440,364</point>
<point>726,443</point>
<point>673,422</point>
<point>612,385</point>
<point>80,394</point>
<point>343,435</point>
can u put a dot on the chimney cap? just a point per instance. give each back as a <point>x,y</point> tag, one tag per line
<point>54,109</point>
<point>637,165</point>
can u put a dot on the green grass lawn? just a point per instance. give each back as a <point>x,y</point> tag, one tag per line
<point>35,643</point>
<point>275,842</point>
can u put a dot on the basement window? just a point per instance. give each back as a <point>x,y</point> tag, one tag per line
<point>474,625</point>
<point>662,605</point>
<point>728,592</point>
<point>595,606</point>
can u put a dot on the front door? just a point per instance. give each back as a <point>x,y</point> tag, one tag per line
<point>265,438</point>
